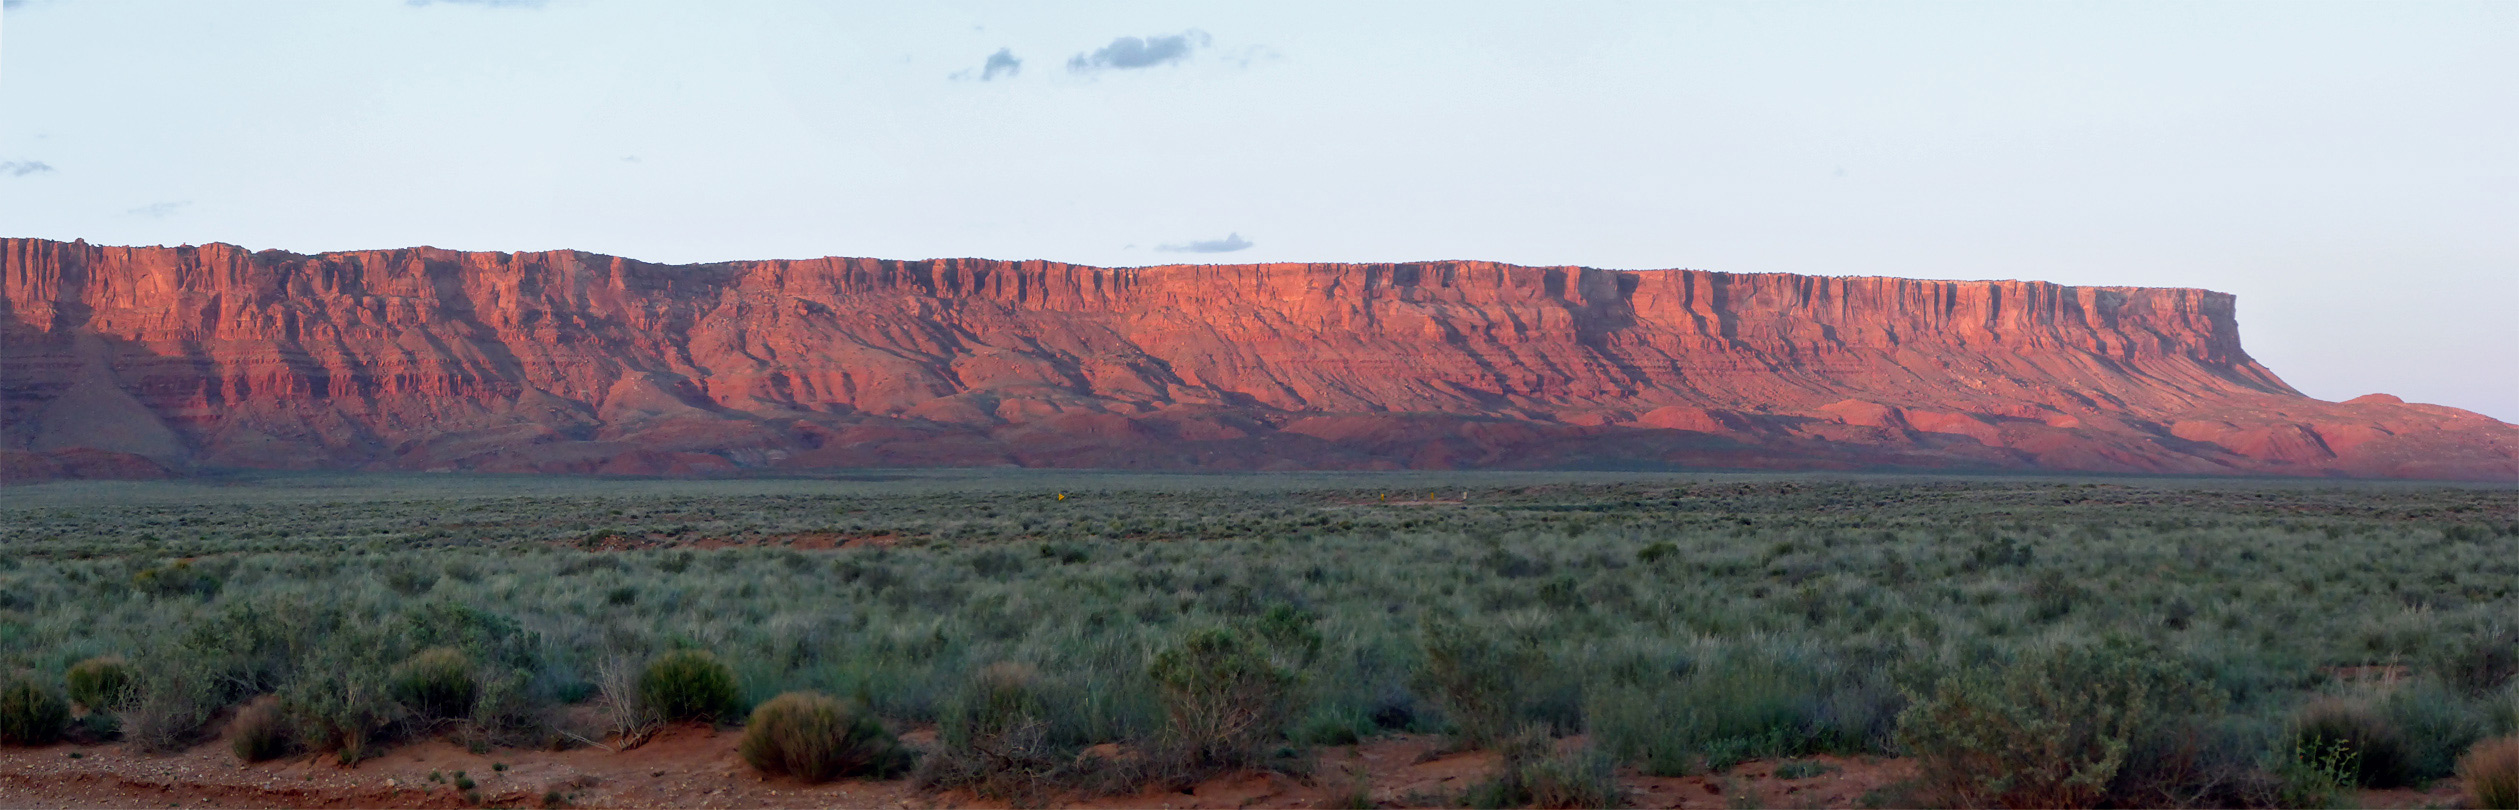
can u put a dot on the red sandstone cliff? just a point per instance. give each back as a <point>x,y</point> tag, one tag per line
<point>576,362</point>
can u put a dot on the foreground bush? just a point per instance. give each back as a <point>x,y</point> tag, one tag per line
<point>687,685</point>
<point>436,684</point>
<point>2491,773</point>
<point>32,712</point>
<point>817,738</point>
<point>101,684</point>
<point>1224,701</point>
<point>1729,705</point>
<point>2208,764</point>
<point>995,740</point>
<point>2052,730</point>
<point>260,731</point>
<point>1480,680</point>
<point>2365,745</point>
<point>168,710</point>
<point>1530,774</point>
<point>2480,664</point>
<point>344,710</point>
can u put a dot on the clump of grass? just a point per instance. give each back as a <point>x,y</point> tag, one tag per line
<point>2370,748</point>
<point>101,684</point>
<point>1803,769</point>
<point>1530,774</point>
<point>687,685</point>
<point>2491,773</point>
<point>260,731</point>
<point>2051,730</point>
<point>32,711</point>
<point>1333,725</point>
<point>1224,700</point>
<point>437,683</point>
<point>818,738</point>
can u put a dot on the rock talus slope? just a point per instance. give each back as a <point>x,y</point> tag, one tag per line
<point>140,360</point>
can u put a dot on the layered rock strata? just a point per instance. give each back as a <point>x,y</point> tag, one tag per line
<point>563,361</point>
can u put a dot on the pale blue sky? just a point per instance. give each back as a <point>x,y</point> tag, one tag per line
<point>2351,171</point>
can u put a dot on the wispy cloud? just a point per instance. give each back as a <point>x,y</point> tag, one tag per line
<point>1253,55</point>
<point>22,168</point>
<point>160,210</point>
<point>1232,242</point>
<point>1002,63</point>
<point>1132,53</point>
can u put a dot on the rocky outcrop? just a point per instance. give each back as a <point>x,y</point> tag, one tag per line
<point>215,356</point>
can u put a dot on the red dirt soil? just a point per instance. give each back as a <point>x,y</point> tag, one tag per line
<point>131,361</point>
<point>694,766</point>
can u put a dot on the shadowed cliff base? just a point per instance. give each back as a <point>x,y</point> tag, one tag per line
<point>156,359</point>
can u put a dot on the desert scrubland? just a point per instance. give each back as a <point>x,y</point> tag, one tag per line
<point>1037,637</point>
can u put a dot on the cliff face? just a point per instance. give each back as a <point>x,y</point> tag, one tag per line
<point>568,361</point>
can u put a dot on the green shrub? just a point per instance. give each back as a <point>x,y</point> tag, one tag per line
<point>2197,763</point>
<point>1479,680</point>
<point>260,731</point>
<point>2501,711</point>
<point>999,698</point>
<point>1224,701</point>
<point>504,711</point>
<point>2480,664</point>
<point>169,708</point>
<point>687,685</point>
<point>410,581</point>
<point>437,683</point>
<point>177,579</point>
<point>2370,747</point>
<point>345,711</point>
<point>32,712</point>
<point>2491,773</point>
<point>93,728</point>
<point>1530,774</point>
<point>996,740</point>
<point>1291,635</point>
<point>2051,730</point>
<point>101,684</point>
<point>817,738</point>
<point>1803,769</point>
<point>2439,721</point>
<point>2313,777</point>
<point>1735,705</point>
<point>1332,725</point>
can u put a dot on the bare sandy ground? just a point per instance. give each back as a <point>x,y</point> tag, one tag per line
<point>694,766</point>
